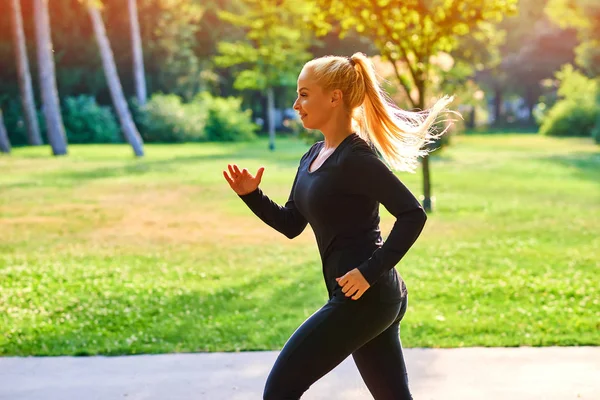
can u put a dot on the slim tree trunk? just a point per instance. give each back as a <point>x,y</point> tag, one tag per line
<point>498,106</point>
<point>427,206</point>
<point>51,105</point>
<point>271,117</point>
<point>114,84</point>
<point>4,142</point>
<point>472,117</point>
<point>426,184</point>
<point>138,58</point>
<point>27,100</point>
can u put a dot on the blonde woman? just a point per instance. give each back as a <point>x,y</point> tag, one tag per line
<point>338,187</point>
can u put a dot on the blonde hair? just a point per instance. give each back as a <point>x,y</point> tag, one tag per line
<point>400,136</point>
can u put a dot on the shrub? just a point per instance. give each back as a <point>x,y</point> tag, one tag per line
<point>596,130</point>
<point>226,122</point>
<point>87,122</point>
<point>166,119</point>
<point>576,112</point>
<point>14,120</point>
<point>568,118</point>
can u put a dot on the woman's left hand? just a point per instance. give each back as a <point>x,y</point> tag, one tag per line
<point>353,283</point>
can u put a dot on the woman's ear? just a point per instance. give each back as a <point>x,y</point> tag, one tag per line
<point>336,97</point>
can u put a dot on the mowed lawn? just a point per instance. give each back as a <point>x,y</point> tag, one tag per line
<point>104,254</point>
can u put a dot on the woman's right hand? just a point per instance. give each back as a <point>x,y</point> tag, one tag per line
<point>243,182</point>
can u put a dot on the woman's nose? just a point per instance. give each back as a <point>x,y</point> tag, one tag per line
<point>296,105</point>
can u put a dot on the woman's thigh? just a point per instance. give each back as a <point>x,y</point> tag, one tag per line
<point>381,364</point>
<point>323,341</point>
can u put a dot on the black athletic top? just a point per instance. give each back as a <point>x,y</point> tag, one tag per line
<point>340,200</point>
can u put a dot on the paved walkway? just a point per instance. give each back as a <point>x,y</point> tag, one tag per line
<point>474,373</point>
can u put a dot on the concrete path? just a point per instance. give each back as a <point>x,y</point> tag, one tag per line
<point>474,373</point>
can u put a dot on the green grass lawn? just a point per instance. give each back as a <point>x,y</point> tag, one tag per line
<point>104,254</point>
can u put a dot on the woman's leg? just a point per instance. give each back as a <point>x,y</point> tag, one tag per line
<point>323,341</point>
<point>381,364</point>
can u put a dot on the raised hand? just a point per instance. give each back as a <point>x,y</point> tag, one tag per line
<point>242,182</point>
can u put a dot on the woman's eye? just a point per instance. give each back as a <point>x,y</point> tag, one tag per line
<point>303,95</point>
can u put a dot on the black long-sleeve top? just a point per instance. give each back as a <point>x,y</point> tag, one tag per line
<point>340,200</point>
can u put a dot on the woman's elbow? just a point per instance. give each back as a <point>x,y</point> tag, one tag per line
<point>419,216</point>
<point>295,231</point>
<point>423,215</point>
<point>291,234</point>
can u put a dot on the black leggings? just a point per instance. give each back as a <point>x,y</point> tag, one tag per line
<point>367,329</point>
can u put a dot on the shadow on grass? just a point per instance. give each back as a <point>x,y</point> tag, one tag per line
<point>587,165</point>
<point>144,167</point>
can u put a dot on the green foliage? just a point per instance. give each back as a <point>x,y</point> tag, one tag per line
<point>87,122</point>
<point>596,131</point>
<point>412,32</point>
<point>226,121</point>
<point>275,47</point>
<point>170,40</point>
<point>577,111</point>
<point>575,86</point>
<point>166,119</point>
<point>596,128</point>
<point>584,16</point>
<point>14,121</point>
<point>568,118</point>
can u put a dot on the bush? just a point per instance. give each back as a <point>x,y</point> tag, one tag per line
<point>596,130</point>
<point>568,118</point>
<point>87,122</point>
<point>226,122</point>
<point>14,120</point>
<point>576,112</point>
<point>166,119</point>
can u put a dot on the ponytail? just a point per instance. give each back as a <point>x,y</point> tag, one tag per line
<point>400,136</point>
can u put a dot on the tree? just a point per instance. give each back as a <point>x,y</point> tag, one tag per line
<point>411,31</point>
<point>27,100</point>
<point>537,57</point>
<point>116,91</point>
<point>274,52</point>
<point>532,49</point>
<point>4,142</point>
<point>584,16</point>
<point>170,45</point>
<point>138,58</point>
<point>51,105</point>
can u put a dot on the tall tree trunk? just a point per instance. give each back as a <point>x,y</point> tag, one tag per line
<point>271,117</point>
<point>27,100</point>
<point>427,206</point>
<point>114,84</point>
<point>51,105</point>
<point>470,123</point>
<point>530,100</point>
<point>4,142</point>
<point>138,58</point>
<point>497,106</point>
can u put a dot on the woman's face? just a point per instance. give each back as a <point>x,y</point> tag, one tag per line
<point>313,105</point>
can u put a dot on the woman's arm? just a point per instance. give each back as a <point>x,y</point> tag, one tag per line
<point>287,220</point>
<point>369,176</point>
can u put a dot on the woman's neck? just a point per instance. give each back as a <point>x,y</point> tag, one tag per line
<point>336,130</point>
